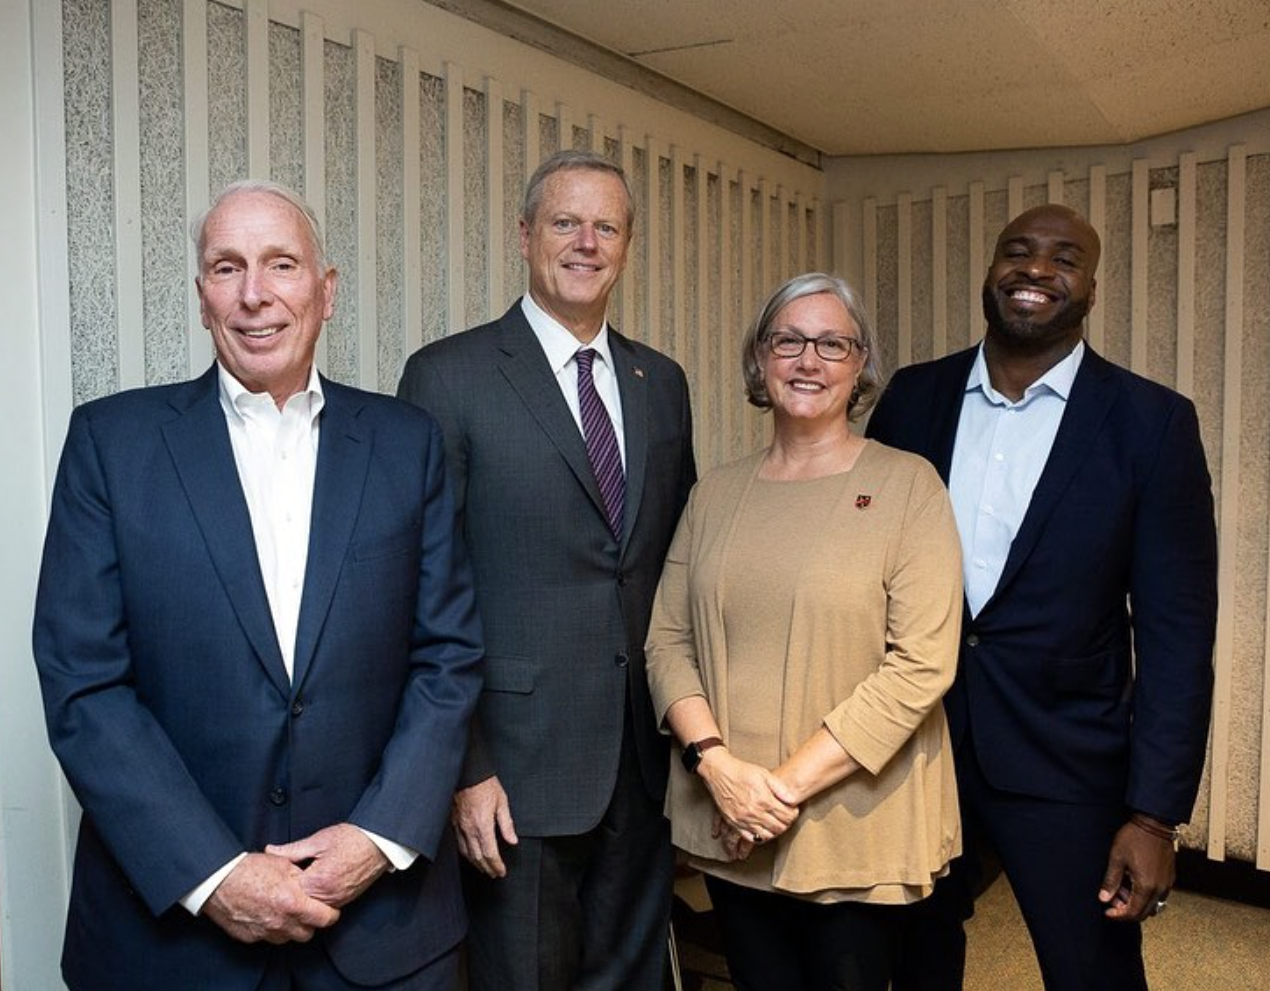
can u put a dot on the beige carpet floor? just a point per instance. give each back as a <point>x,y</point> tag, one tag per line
<point>1199,944</point>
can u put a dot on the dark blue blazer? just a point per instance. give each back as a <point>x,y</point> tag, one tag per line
<point>1087,677</point>
<point>171,712</point>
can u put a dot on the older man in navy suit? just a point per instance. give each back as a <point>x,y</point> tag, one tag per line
<point>1080,710</point>
<point>258,647</point>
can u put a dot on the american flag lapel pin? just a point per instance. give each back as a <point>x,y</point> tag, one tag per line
<point>639,372</point>
<point>862,501</point>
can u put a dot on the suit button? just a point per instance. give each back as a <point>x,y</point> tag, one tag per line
<point>621,659</point>
<point>621,580</point>
<point>297,707</point>
<point>278,796</point>
<point>972,640</point>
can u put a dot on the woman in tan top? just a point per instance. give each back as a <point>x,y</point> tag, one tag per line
<point>803,634</point>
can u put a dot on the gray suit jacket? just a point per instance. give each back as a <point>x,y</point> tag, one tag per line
<point>565,607</point>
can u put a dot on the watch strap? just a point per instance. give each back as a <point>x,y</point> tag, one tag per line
<point>694,751</point>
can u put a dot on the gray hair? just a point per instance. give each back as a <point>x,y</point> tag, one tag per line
<point>570,160</point>
<point>811,284</point>
<point>269,188</point>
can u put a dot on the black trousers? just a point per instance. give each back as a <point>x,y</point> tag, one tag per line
<point>1054,855</point>
<point>776,942</point>
<point>578,913</point>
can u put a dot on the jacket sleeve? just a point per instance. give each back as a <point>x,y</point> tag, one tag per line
<point>423,384</point>
<point>1173,601</point>
<point>121,764</point>
<point>441,690</point>
<point>923,621</point>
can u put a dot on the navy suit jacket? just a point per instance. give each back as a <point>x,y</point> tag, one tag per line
<point>170,709</point>
<point>564,605</point>
<point>1087,676</point>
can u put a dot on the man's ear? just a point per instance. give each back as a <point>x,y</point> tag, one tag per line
<point>202,302</point>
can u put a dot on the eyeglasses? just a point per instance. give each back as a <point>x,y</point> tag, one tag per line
<point>788,344</point>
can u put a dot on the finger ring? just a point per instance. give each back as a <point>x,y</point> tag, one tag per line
<point>1160,906</point>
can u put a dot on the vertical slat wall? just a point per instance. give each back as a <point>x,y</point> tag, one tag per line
<point>1183,299</point>
<point>414,153</point>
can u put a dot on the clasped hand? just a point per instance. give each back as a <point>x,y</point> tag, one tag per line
<point>288,892</point>
<point>753,804</point>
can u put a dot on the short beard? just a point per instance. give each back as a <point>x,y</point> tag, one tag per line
<point>1024,334</point>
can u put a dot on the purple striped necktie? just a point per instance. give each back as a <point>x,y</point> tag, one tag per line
<point>601,444</point>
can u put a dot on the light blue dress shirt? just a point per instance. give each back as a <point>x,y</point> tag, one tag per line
<point>1001,449</point>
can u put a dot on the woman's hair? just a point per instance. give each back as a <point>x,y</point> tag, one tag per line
<point>811,284</point>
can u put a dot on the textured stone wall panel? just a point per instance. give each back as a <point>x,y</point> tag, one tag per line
<point>390,288</point>
<point>341,209</point>
<point>165,275</point>
<point>90,200</point>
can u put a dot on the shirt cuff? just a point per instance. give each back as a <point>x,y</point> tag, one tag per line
<point>194,901</point>
<point>399,857</point>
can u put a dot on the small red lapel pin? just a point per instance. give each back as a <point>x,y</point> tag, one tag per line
<point>862,501</point>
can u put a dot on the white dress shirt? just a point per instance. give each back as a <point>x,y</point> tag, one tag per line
<point>275,451</point>
<point>1001,449</point>
<point>561,347</point>
<point>276,454</point>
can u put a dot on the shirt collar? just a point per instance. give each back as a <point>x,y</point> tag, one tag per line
<point>559,345</point>
<point>1058,379</point>
<point>237,402</point>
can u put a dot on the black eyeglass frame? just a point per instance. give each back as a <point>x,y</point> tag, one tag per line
<point>787,338</point>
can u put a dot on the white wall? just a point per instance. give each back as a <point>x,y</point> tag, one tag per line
<point>32,815</point>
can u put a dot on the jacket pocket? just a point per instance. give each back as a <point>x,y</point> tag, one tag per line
<point>1106,673</point>
<point>510,674</point>
<point>385,545</point>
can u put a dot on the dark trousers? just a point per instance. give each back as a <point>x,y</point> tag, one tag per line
<point>306,967</point>
<point>1054,855</point>
<point>578,913</point>
<point>775,941</point>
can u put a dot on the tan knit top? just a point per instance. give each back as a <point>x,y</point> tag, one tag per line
<point>836,602</point>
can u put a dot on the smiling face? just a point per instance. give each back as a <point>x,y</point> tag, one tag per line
<point>808,387</point>
<point>262,291</point>
<point>575,247</point>
<point>1041,284</point>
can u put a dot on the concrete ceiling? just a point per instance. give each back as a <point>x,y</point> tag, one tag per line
<point>866,77</point>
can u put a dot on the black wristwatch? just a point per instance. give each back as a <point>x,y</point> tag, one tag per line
<point>693,753</point>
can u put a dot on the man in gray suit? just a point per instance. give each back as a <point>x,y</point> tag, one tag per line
<point>570,451</point>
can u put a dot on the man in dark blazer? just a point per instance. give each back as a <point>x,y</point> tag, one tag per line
<point>1080,711</point>
<point>257,641</point>
<point>560,813</point>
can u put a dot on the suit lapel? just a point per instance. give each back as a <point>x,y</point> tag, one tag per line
<point>632,384</point>
<point>950,390</point>
<point>525,367</point>
<point>1093,394</point>
<point>198,441</point>
<point>344,450</point>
